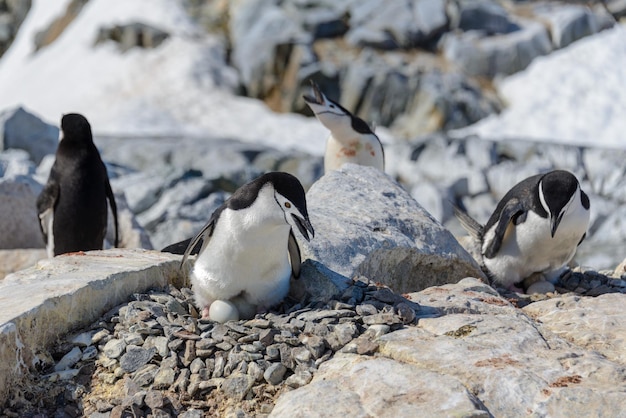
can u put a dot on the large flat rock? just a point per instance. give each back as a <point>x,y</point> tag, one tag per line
<point>41,303</point>
<point>472,353</point>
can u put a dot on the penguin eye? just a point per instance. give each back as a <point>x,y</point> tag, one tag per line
<point>287,205</point>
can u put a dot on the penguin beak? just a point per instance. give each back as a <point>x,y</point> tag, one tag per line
<point>318,98</point>
<point>554,223</point>
<point>304,226</point>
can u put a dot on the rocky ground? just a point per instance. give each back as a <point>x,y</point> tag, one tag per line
<point>153,356</point>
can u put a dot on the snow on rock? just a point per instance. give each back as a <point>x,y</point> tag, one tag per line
<point>572,96</point>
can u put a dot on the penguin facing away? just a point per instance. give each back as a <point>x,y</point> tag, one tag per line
<point>72,206</point>
<point>247,252</point>
<point>535,228</point>
<point>351,140</point>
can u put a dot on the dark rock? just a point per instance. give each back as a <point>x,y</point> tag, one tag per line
<point>136,357</point>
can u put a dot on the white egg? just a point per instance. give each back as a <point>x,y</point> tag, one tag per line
<point>540,287</point>
<point>223,311</point>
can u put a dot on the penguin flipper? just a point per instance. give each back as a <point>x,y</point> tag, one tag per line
<point>204,235</point>
<point>113,205</point>
<point>45,205</point>
<point>513,211</point>
<point>294,254</point>
<point>471,225</point>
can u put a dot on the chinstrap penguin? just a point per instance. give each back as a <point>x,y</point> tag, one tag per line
<point>534,230</point>
<point>72,206</point>
<point>247,252</point>
<point>351,140</point>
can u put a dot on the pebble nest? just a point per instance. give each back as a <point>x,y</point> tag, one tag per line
<point>154,357</point>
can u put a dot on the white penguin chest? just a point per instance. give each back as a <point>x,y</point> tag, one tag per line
<point>245,250</point>
<point>363,150</point>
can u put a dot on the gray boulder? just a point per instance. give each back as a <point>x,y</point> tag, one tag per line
<point>568,23</point>
<point>479,55</point>
<point>19,223</point>
<point>395,25</point>
<point>23,130</point>
<point>12,14</point>
<point>486,16</point>
<point>366,224</point>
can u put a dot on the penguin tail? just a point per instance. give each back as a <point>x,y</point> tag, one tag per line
<point>471,225</point>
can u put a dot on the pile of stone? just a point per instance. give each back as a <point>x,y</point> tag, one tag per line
<point>153,355</point>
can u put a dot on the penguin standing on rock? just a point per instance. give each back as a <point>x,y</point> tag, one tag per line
<point>72,206</point>
<point>351,140</point>
<point>535,229</point>
<point>248,251</point>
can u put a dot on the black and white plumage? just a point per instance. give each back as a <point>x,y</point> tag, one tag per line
<point>535,228</point>
<point>248,249</point>
<point>72,206</point>
<point>351,140</point>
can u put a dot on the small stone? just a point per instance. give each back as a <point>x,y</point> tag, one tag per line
<point>154,399</point>
<point>376,330</point>
<point>301,355</point>
<point>224,346</point>
<point>175,345</point>
<point>192,413</point>
<point>171,361</point>
<point>145,376</point>
<point>89,353</point>
<point>214,383</point>
<point>83,339</point>
<point>342,335</point>
<point>316,345</point>
<point>272,352</point>
<point>405,313</point>
<point>196,365</point>
<point>255,371</point>
<point>286,357</point>
<point>220,363</point>
<point>266,337</point>
<point>164,378</point>
<point>258,323</point>
<point>114,348</point>
<point>182,382</point>
<point>190,352</point>
<point>237,386</point>
<point>136,357</point>
<point>275,373</point>
<point>176,307</point>
<point>69,359</point>
<point>158,342</point>
<point>387,318</point>
<point>299,379</point>
<point>100,335</point>
<point>366,309</point>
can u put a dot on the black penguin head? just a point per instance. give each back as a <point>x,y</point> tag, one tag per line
<point>288,194</point>
<point>332,114</point>
<point>557,191</point>
<point>76,128</point>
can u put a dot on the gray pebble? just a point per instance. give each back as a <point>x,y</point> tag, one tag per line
<point>145,376</point>
<point>196,365</point>
<point>114,348</point>
<point>136,357</point>
<point>164,378</point>
<point>299,379</point>
<point>275,373</point>
<point>154,399</point>
<point>237,386</point>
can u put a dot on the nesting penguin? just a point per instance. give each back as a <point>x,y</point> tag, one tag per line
<point>72,206</point>
<point>535,228</point>
<point>351,140</point>
<point>248,250</point>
